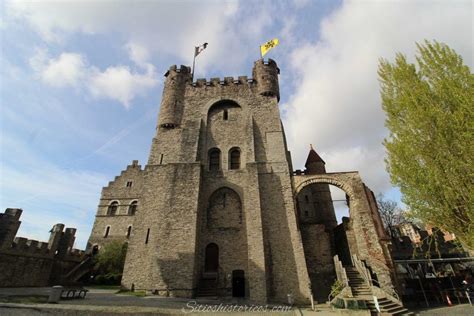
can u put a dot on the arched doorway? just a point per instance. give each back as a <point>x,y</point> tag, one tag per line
<point>211,260</point>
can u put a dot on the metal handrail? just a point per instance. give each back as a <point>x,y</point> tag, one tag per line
<point>366,275</point>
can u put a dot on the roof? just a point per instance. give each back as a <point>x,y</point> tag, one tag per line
<point>313,157</point>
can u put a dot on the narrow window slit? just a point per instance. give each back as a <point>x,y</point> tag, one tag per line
<point>107,231</point>
<point>147,235</point>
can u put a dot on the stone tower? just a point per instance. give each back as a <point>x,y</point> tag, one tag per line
<point>218,209</point>
<point>217,203</point>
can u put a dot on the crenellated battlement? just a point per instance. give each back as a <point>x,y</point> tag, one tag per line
<point>226,81</point>
<point>25,246</point>
<point>29,262</point>
<point>183,70</point>
<point>60,239</point>
<point>179,80</point>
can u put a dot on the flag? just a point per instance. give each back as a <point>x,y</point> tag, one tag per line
<point>268,45</point>
<point>199,49</point>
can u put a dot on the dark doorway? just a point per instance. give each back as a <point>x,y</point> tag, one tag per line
<point>238,283</point>
<point>342,245</point>
<point>211,261</point>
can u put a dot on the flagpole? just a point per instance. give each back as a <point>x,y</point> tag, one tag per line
<point>194,62</point>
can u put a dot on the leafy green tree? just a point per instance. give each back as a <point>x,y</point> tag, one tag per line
<point>110,261</point>
<point>429,108</point>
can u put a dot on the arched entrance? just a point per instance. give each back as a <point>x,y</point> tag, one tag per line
<point>211,261</point>
<point>368,239</point>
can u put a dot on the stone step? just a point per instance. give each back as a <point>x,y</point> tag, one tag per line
<point>387,307</point>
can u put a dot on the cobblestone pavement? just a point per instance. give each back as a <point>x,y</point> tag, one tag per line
<point>463,309</point>
<point>106,302</point>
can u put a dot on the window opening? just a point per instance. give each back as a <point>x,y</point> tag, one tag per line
<point>147,235</point>
<point>107,231</point>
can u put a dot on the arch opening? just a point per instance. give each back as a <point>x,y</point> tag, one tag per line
<point>225,209</point>
<point>214,159</point>
<point>112,209</point>
<point>132,209</point>
<point>234,158</point>
<point>224,106</point>
<point>324,221</point>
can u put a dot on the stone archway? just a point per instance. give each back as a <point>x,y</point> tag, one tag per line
<point>368,235</point>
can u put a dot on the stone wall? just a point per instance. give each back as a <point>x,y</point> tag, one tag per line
<point>161,254</point>
<point>26,262</point>
<point>124,189</point>
<point>317,241</point>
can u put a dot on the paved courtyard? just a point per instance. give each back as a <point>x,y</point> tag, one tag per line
<point>106,302</point>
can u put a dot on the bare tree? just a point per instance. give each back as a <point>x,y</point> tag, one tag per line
<point>390,213</point>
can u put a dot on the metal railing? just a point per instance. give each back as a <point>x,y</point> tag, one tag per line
<point>341,277</point>
<point>373,284</point>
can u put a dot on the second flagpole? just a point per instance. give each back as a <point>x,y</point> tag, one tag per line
<point>194,63</point>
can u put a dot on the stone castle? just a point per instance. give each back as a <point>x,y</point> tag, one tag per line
<point>218,209</point>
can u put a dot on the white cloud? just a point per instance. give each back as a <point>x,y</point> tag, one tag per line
<point>138,54</point>
<point>160,26</point>
<point>336,105</point>
<point>118,83</point>
<point>121,84</point>
<point>67,69</point>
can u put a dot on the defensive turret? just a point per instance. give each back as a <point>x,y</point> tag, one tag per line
<point>172,101</point>
<point>266,75</point>
<point>314,163</point>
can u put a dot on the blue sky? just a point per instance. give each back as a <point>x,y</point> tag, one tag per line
<point>81,84</point>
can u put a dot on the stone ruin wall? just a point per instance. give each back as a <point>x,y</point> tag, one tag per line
<point>27,262</point>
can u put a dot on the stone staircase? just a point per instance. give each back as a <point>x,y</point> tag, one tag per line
<point>387,307</point>
<point>84,267</point>
<point>207,287</point>
<point>361,290</point>
<point>358,285</point>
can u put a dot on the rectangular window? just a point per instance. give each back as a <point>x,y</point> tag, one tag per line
<point>161,159</point>
<point>147,235</point>
<point>129,184</point>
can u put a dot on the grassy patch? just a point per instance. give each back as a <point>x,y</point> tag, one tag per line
<point>26,299</point>
<point>135,293</point>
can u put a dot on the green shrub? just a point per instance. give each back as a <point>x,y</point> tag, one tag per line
<point>336,288</point>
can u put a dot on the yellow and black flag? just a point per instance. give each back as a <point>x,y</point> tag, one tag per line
<point>268,45</point>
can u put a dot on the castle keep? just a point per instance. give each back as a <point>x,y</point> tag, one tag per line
<point>218,209</point>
